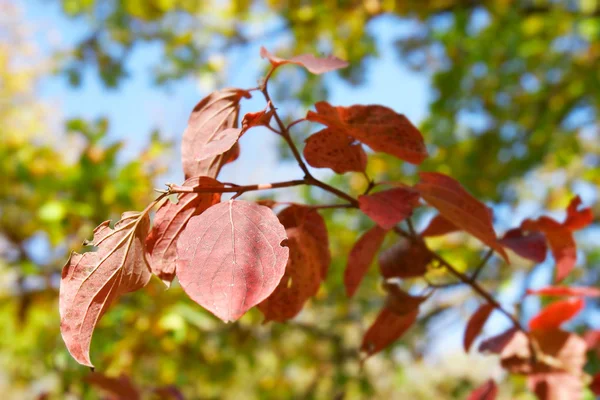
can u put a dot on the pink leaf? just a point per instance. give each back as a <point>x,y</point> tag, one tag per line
<point>475,324</point>
<point>389,207</point>
<point>532,246</point>
<point>219,144</point>
<point>230,257</point>
<point>360,258</point>
<point>308,61</point>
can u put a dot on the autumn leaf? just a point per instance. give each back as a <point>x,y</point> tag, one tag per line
<point>531,246</point>
<point>487,391</point>
<point>92,280</point>
<point>120,388</point>
<point>386,329</point>
<point>439,226</point>
<point>260,118</point>
<point>214,114</point>
<point>389,207</point>
<point>169,222</point>
<point>311,63</point>
<point>555,314</point>
<point>230,257</point>
<point>475,325</point>
<point>400,302</point>
<point>459,207</point>
<point>577,219</point>
<point>360,258</point>
<point>405,259</point>
<point>581,291</point>
<point>338,151</point>
<point>379,127</point>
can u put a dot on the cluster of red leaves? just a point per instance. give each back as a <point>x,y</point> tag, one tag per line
<point>231,256</point>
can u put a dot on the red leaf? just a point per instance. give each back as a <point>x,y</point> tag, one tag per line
<point>475,324</point>
<point>459,207</point>
<point>577,220</point>
<point>259,118</point>
<point>170,220</point>
<point>400,302</point>
<point>405,259</point>
<point>121,388</point>
<point>215,113</point>
<point>439,226</point>
<point>595,385</point>
<point>218,144</point>
<point>592,339</point>
<point>532,246</point>
<point>308,61</point>
<point>91,281</point>
<point>389,207</point>
<point>360,258</point>
<point>566,291</point>
<point>331,149</point>
<point>487,391</point>
<point>387,328</point>
<point>379,127</point>
<point>555,314</point>
<point>230,258</point>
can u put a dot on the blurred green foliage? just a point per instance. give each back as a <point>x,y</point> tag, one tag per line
<point>513,118</point>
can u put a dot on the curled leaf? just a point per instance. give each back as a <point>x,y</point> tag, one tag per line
<point>311,63</point>
<point>360,258</point>
<point>405,259</point>
<point>338,151</point>
<point>531,246</point>
<point>230,257</point>
<point>577,219</point>
<point>91,281</point>
<point>389,207</point>
<point>475,325</point>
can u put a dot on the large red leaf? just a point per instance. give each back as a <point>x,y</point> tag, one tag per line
<point>405,259</point>
<point>120,388</point>
<point>308,61</point>
<point>555,314</point>
<point>379,127</point>
<point>230,257</point>
<point>577,219</point>
<point>439,226</point>
<point>475,325</point>
<point>387,328</point>
<point>360,258</point>
<point>566,291</point>
<point>331,149</point>
<point>91,281</point>
<point>459,207</point>
<point>389,207</point>
<point>170,220</point>
<point>487,391</point>
<point>301,280</point>
<point>212,115</point>
<point>531,246</point>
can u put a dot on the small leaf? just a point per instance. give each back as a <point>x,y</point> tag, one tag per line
<point>91,281</point>
<point>405,259</point>
<point>230,257</point>
<point>308,61</point>
<point>581,291</point>
<point>577,220</point>
<point>360,258</point>
<point>379,127</point>
<point>120,388</point>
<point>487,391</point>
<point>260,118</point>
<point>459,207</point>
<point>389,207</point>
<point>532,246</point>
<point>439,226</point>
<point>215,113</point>
<point>331,149</point>
<point>475,325</point>
<point>387,328</point>
<point>555,314</point>
<point>170,220</point>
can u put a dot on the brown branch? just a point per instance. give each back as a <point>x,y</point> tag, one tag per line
<point>235,189</point>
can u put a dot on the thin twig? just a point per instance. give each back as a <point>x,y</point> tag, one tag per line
<point>482,264</point>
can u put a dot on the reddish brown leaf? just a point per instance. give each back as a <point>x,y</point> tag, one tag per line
<point>566,291</point>
<point>170,220</point>
<point>91,281</point>
<point>475,325</point>
<point>120,388</point>
<point>439,226</point>
<point>400,302</point>
<point>308,61</point>
<point>230,257</point>
<point>531,246</point>
<point>360,258</point>
<point>259,118</point>
<point>561,243</point>
<point>379,127</point>
<point>487,391</point>
<point>331,149</point>
<point>219,144</point>
<point>301,280</point>
<point>459,207</point>
<point>498,343</point>
<point>405,259</point>
<point>387,328</point>
<point>215,113</point>
<point>389,207</point>
<point>555,314</point>
<point>595,385</point>
<point>577,220</point>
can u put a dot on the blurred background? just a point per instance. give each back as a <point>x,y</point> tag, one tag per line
<point>94,97</point>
